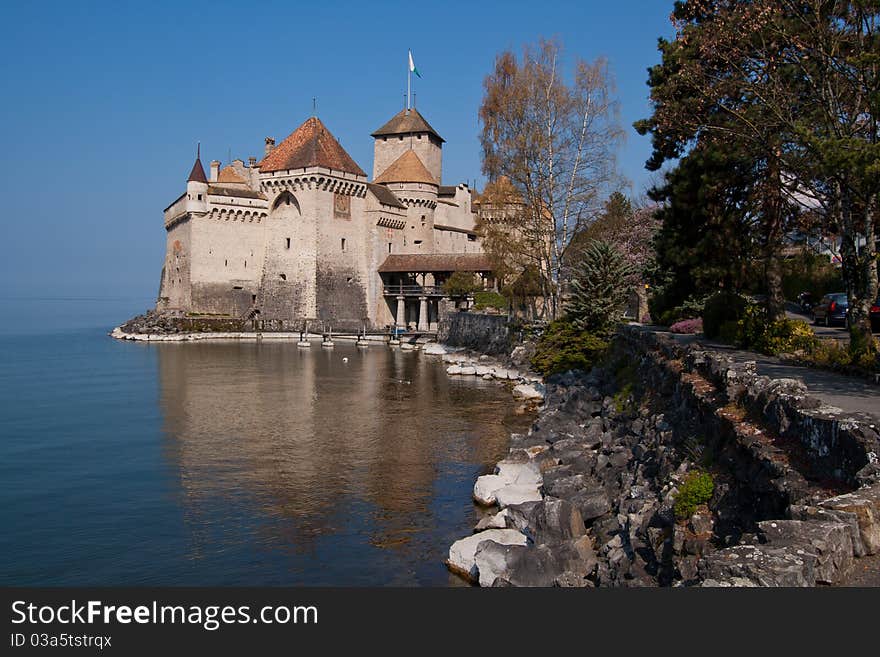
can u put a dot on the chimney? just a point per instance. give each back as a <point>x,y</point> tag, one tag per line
<point>215,170</point>
<point>270,144</point>
<point>252,162</point>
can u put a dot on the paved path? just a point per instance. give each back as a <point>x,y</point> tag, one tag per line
<point>851,394</point>
<point>834,331</point>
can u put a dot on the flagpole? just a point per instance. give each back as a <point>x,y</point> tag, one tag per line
<point>408,79</point>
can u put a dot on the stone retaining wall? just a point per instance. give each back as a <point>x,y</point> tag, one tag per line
<point>839,446</point>
<point>587,497</point>
<point>487,334</point>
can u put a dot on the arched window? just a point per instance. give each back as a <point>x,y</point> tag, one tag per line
<point>285,201</point>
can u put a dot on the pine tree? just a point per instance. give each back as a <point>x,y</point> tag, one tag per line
<point>600,288</point>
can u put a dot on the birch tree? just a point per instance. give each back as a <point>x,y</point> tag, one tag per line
<point>555,139</point>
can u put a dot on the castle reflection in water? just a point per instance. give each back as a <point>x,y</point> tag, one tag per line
<point>334,472</point>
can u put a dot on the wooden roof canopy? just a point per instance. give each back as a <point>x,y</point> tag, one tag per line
<point>427,263</point>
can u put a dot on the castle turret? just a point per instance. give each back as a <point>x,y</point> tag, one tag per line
<point>408,130</point>
<point>197,186</point>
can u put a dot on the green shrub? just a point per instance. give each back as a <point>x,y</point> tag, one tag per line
<point>564,347</point>
<point>488,299</point>
<point>696,489</point>
<point>720,308</point>
<point>755,331</point>
<point>870,362</point>
<point>786,336</point>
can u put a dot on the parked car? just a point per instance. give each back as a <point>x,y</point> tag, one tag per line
<point>806,301</point>
<point>831,309</point>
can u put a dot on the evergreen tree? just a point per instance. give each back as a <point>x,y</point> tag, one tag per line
<point>601,284</point>
<point>709,235</point>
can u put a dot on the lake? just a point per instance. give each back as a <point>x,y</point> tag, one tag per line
<point>231,463</point>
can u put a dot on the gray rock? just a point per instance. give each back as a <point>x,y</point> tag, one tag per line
<point>502,565</point>
<point>818,514</point>
<point>762,565</point>
<point>829,542</point>
<point>865,505</point>
<point>567,486</point>
<point>592,503</point>
<point>548,522</point>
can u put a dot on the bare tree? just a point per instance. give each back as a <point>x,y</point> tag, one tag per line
<point>556,143</point>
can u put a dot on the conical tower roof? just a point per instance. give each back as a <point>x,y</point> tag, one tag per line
<point>198,172</point>
<point>408,168</point>
<point>405,122</point>
<point>310,145</point>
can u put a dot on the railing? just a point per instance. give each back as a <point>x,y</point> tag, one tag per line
<point>414,290</point>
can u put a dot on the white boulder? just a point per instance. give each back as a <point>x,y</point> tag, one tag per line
<point>529,391</point>
<point>526,474</point>
<point>468,370</point>
<point>462,553</point>
<point>434,349</point>
<point>453,370</point>
<point>517,494</point>
<point>486,487</point>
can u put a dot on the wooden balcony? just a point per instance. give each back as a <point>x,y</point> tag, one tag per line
<point>401,290</point>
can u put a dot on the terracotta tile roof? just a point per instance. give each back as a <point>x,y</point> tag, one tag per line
<point>229,175</point>
<point>435,262</point>
<point>385,195</point>
<point>310,145</point>
<point>198,173</point>
<point>406,122</point>
<point>408,168</point>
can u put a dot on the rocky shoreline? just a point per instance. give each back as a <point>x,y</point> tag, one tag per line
<point>588,497</point>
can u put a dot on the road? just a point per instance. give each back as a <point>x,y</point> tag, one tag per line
<point>851,394</point>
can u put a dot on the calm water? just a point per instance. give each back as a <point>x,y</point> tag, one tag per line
<point>232,463</point>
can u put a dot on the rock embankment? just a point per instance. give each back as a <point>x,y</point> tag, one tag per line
<point>528,387</point>
<point>588,496</point>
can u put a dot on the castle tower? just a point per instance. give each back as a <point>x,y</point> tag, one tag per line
<point>417,188</point>
<point>408,130</point>
<point>316,262</point>
<point>175,287</point>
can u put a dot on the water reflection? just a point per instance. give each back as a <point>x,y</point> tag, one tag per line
<point>336,472</point>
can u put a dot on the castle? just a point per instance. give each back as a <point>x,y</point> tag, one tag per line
<point>303,235</point>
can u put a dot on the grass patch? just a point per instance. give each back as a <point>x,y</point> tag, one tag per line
<point>696,489</point>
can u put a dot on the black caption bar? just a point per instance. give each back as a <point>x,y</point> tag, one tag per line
<point>255,621</point>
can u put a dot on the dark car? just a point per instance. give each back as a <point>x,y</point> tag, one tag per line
<point>831,309</point>
<point>806,301</point>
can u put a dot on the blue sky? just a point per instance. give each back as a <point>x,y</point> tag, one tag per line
<point>104,103</point>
